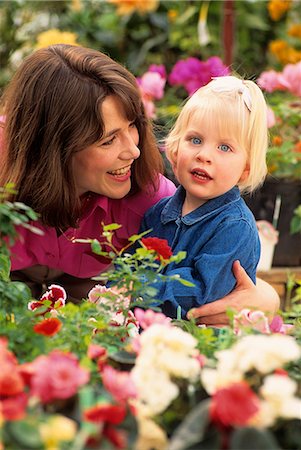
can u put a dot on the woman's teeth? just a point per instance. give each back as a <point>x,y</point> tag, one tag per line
<point>120,172</point>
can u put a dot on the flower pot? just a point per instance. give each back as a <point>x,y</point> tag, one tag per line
<point>262,204</point>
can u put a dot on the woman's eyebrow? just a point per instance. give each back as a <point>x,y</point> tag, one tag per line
<point>110,133</point>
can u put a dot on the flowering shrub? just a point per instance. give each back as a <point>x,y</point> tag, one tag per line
<point>107,374</point>
<point>284,97</point>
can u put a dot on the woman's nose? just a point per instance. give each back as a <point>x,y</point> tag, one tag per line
<point>131,151</point>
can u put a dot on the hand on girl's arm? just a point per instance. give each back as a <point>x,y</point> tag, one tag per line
<point>245,295</point>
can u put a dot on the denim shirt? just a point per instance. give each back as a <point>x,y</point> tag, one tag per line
<point>214,235</point>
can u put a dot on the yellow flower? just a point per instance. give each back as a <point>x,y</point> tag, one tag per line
<point>125,7</point>
<point>295,30</point>
<point>277,8</point>
<point>57,429</point>
<point>172,14</point>
<point>54,36</point>
<point>76,5</point>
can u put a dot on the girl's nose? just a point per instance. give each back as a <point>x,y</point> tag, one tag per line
<point>204,154</point>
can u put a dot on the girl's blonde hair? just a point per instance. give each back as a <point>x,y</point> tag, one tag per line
<point>232,106</point>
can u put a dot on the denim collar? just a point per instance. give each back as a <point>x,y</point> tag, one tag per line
<point>173,208</point>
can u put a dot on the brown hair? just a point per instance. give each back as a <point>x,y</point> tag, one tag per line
<point>52,110</point>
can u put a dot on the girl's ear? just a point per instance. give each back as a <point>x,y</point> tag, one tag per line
<point>245,174</point>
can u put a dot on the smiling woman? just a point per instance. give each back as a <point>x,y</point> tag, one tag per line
<point>80,151</point>
<point>105,167</point>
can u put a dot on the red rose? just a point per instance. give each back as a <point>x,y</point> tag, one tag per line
<point>234,405</point>
<point>160,246</point>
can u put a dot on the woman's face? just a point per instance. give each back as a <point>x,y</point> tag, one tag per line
<point>105,167</point>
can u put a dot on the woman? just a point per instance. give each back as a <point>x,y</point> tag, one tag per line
<point>80,151</point>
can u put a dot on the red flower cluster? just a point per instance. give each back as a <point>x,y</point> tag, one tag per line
<point>13,399</point>
<point>234,405</point>
<point>159,246</point>
<point>48,327</point>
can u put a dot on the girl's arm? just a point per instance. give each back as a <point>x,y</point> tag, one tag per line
<point>245,295</point>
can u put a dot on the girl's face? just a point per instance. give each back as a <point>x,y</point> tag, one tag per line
<point>207,165</point>
<point>105,167</point>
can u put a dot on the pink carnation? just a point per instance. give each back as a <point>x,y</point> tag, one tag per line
<point>56,376</point>
<point>159,68</point>
<point>291,76</point>
<point>149,317</point>
<point>270,81</point>
<point>119,384</point>
<point>253,319</point>
<point>152,85</point>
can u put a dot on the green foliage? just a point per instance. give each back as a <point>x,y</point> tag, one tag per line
<point>296,221</point>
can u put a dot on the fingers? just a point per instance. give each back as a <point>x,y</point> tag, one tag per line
<point>209,309</point>
<point>215,320</point>
<point>242,279</point>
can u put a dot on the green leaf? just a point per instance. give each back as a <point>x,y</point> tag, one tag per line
<point>192,429</point>
<point>111,227</point>
<point>25,434</point>
<point>250,438</point>
<point>4,267</point>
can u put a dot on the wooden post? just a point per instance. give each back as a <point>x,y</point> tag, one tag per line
<point>228,31</point>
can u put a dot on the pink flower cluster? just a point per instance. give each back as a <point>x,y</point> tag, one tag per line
<point>257,320</point>
<point>152,85</point>
<point>193,73</point>
<point>287,80</point>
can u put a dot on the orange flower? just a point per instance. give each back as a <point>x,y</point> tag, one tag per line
<point>277,140</point>
<point>277,8</point>
<point>297,147</point>
<point>295,30</point>
<point>48,327</point>
<point>125,7</point>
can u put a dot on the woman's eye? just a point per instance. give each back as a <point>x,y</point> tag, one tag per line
<point>196,141</point>
<point>110,141</point>
<point>133,125</point>
<point>224,148</point>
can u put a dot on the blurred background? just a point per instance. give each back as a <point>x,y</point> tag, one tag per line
<point>174,47</point>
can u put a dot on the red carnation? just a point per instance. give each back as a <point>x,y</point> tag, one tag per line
<point>105,413</point>
<point>160,246</point>
<point>234,405</point>
<point>48,327</point>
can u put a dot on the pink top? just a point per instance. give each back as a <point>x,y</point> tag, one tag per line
<point>77,259</point>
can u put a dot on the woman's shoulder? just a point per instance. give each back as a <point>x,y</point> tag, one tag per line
<point>143,200</point>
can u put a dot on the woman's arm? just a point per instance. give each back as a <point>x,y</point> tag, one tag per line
<point>245,295</point>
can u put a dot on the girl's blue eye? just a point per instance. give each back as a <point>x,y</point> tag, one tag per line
<point>196,141</point>
<point>224,148</point>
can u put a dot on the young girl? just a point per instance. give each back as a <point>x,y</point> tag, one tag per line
<point>217,149</point>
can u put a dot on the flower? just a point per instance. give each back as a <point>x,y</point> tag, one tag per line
<point>119,384</point>
<point>255,319</point>
<point>149,317</point>
<point>57,376</point>
<point>277,8</point>
<point>48,327</point>
<point>193,73</point>
<point>55,36</point>
<point>51,300</point>
<point>105,412</point>
<point>57,429</point>
<point>125,7</point>
<point>159,246</point>
<point>234,405</point>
